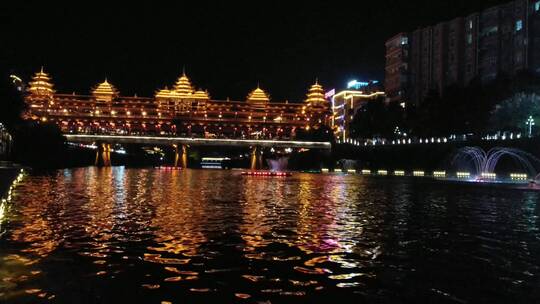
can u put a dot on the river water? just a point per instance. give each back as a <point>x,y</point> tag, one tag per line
<point>119,235</point>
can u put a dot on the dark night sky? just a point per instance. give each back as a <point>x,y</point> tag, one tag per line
<point>226,46</point>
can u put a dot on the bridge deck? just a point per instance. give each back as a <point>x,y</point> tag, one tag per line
<point>158,140</point>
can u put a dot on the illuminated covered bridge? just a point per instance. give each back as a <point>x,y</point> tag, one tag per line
<point>180,115</point>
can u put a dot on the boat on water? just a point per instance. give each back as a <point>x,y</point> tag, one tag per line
<point>168,168</point>
<point>266,173</point>
<point>215,163</point>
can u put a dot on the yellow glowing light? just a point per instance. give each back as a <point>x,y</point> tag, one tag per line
<point>3,210</point>
<point>439,173</point>
<point>518,176</point>
<point>463,174</point>
<point>399,173</point>
<point>382,172</point>
<point>489,175</point>
<point>350,94</point>
<point>418,173</point>
<point>366,172</point>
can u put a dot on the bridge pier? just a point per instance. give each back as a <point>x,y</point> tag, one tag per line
<point>103,155</point>
<point>180,156</point>
<point>256,158</point>
<point>176,156</point>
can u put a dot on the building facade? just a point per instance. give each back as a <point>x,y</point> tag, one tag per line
<point>181,111</point>
<point>397,75</point>
<point>504,39</point>
<point>346,103</point>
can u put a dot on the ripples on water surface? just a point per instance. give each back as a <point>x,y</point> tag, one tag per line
<point>118,235</point>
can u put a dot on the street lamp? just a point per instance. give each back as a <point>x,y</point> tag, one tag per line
<point>17,81</point>
<point>530,122</point>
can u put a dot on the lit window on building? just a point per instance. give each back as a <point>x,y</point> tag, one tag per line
<point>404,40</point>
<point>537,6</point>
<point>469,38</point>
<point>470,24</point>
<point>519,25</point>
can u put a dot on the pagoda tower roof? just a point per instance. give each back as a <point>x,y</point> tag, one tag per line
<point>183,86</point>
<point>41,84</point>
<point>315,95</point>
<point>258,96</point>
<point>104,91</point>
<point>200,94</point>
<point>163,93</point>
<point>166,93</point>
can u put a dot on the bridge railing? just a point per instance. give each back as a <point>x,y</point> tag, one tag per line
<point>168,140</point>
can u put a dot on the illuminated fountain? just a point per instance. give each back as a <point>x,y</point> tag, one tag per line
<point>485,162</point>
<point>348,164</point>
<point>279,164</point>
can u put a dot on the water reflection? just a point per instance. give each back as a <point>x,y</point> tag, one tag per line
<point>179,215</point>
<point>145,235</point>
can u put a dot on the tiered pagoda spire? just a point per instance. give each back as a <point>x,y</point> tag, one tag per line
<point>258,96</point>
<point>41,85</point>
<point>200,94</point>
<point>105,92</point>
<point>166,93</point>
<point>183,86</point>
<point>315,95</point>
<point>182,89</point>
<point>163,93</point>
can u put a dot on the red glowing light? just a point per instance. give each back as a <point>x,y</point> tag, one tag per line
<point>266,173</point>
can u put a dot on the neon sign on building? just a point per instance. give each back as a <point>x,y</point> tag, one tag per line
<point>360,84</point>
